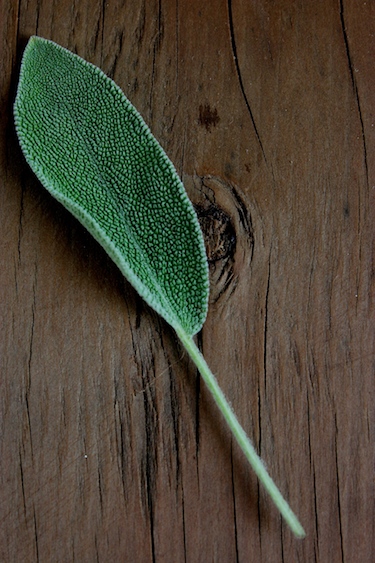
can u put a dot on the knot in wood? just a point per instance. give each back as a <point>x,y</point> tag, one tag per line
<point>218,231</point>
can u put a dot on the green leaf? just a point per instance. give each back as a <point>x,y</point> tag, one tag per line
<point>92,150</point>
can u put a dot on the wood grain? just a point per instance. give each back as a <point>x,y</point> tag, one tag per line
<point>111,448</point>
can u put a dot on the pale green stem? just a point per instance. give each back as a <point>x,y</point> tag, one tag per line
<point>240,435</point>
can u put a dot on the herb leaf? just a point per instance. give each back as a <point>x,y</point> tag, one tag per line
<point>92,150</point>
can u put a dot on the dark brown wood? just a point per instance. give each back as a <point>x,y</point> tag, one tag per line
<point>111,448</point>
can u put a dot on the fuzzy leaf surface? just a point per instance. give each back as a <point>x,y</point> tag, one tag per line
<point>93,152</point>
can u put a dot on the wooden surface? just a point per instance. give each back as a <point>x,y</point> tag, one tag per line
<point>111,448</point>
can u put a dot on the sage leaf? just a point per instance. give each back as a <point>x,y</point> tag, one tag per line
<point>93,152</point>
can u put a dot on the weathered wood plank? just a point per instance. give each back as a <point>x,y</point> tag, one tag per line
<point>110,447</point>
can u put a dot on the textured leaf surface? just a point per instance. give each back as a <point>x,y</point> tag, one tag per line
<point>92,150</point>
